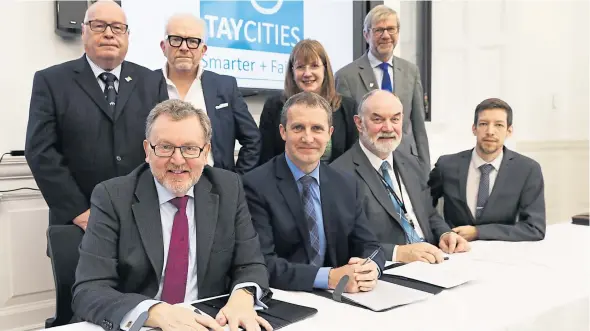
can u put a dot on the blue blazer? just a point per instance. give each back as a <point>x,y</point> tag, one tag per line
<point>230,123</point>
<point>277,214</point>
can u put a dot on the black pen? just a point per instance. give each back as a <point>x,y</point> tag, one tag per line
<point>371,257</point>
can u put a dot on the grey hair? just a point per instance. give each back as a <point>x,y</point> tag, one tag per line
<point>361,107</point>
<point>199,21</point>
<point>178,110</point>
<point>308,99</point>
<point>377,14</point>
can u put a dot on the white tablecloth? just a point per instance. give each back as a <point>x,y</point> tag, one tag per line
<point>522,286</point>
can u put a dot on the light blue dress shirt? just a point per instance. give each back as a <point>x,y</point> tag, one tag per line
<point>321,278</point>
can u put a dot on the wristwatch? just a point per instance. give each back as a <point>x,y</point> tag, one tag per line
<point>250,290</point>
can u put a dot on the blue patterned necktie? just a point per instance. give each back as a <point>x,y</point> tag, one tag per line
<point>411,235</point>
<point>483,192</point>
<point>386,81</point>
<point>310,217</point>
<point>110,93</point>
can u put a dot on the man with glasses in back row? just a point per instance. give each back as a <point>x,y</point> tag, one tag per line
<point>87,116</point>
<point>378,69</point>
<point>184,46</point>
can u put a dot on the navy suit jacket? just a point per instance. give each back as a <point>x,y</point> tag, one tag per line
<point>74,142</point>
<point>278,217</point>
<point>230,123</point>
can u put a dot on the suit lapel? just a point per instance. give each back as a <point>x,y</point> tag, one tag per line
<point>368,174</point>
<point>413,192</point>
<point>462,172</point>
<point>210,96</point>
<point>146,212</point>
<point>367,74</point>
<point>328,205</point>
<point>126,87</point>
<point>501,179</point>
<point>398,80</point>
<point>89,84</point>
<point>206,210</point>
<point>288,188</point>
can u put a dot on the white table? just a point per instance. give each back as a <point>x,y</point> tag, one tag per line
<point>523,286</point>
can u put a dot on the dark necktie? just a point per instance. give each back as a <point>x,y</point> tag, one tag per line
<point>484,188</point>
<point>411,234</point>
<point>386,81</point>
<point>110,93</point>
<point>175,276</point>
<point>310,218</point>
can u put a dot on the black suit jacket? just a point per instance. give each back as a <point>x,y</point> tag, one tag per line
<point>515,210</point>
<point>344,136</point>
<point>230,122</point>
<point>73,142</point>
<point>277,214</point>
<point>377,204</point>
<point>122,254</point>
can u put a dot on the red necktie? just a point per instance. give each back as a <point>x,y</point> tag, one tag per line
<point>175,276</point>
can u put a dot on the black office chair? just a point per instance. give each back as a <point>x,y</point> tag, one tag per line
<point>63,242</point>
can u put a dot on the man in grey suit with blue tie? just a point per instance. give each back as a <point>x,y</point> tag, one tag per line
<point>395,196</point>
<point>491,192</point>
<point>380,69</point>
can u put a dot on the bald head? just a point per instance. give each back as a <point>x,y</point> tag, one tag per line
<point>105,34</point>
<point>185,45</point>
<point>102,6</point>
<point>188,22</point>
<point>379,122</point>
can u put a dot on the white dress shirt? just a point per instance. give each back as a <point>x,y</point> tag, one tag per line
<point>194,96</point>
<point>403,194</point>
<point>473,176</point>
<point>98,70</point>
<point>375,62</point>
<point>167,212</point>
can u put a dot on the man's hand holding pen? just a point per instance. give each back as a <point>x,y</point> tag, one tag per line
<point>362,274</point>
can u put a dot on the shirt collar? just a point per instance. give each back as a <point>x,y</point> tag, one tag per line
<point>375,62</point>
<point>375,160</point>
<point>477,161</point>
<point>169,82</point>
<point>98,70</point>
<point>297,173</point>
<point>165,196</point>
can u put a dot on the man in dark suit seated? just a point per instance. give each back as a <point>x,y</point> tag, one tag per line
<point>395,194</point>
<point>87,116</point>
<point>170,232</point>
<point>184,45</point>
<point>308,216</point>
<point>491,192</point>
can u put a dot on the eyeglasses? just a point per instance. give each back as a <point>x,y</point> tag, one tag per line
<point>392,30</point>
<point>191,42</point>
<point>101,26</point>
<point>166,150</point>
<point>312,67</point>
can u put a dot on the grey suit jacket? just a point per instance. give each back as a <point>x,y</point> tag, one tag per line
<point>357,78</point>
<point>515,210</point>
<point>377,204</point>
<point>122,254</point>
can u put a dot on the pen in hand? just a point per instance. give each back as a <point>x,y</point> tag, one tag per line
<point>371,257</point>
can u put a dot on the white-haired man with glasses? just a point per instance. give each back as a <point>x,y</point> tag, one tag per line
<point>172,231</point>
<point>184,46</point>
<point>87,116</point>
<point>380,69</point>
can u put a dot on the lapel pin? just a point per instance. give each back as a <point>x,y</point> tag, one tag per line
<point>128,79</point>
<point>371,85</point>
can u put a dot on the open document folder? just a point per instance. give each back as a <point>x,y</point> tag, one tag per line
<point>448,274</point>
<point>385,296</point>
